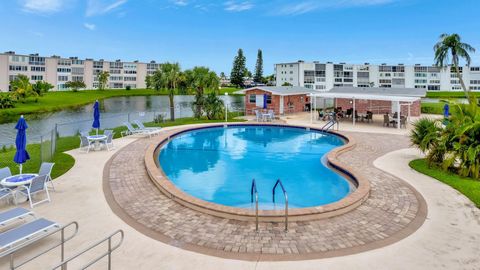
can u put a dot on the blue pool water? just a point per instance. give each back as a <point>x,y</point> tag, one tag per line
<point>218,165</point>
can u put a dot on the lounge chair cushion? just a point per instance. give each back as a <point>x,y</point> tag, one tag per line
<point>25,231</point>
<point>13,214</point>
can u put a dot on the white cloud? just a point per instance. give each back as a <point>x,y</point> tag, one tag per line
<point>181,3</point>
<point>43,6</point>
<point>90,26</point>
<point>99,7</point>
<point>235,6</point>
<point>309,6</point>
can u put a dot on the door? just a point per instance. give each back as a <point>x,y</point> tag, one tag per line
<point>259,101</point>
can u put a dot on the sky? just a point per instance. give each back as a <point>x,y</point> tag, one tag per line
<point>209,33</point>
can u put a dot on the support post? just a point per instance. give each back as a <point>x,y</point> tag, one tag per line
<point>353,113</point>
<point>398,114</point>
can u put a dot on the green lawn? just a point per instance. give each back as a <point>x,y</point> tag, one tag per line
<point>55,101</point>
<point>449,94</point>
<point>432,107</point>
<point>467,186</point>
<point>64,162</point>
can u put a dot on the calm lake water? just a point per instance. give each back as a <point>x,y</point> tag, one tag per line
<point>114,111</point>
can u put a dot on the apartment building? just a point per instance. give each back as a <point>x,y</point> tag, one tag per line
<point>325,76</point>
<point>57,71</point>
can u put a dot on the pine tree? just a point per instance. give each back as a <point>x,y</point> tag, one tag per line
<point>236,76</point>
<point>258,78</point>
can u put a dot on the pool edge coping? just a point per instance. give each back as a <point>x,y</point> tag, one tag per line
<point>350,202</point>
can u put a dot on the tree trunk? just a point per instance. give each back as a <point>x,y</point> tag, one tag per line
<point>462,83</point>
<point>172,107</point>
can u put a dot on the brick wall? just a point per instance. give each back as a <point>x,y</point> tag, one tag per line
<point>297,102</point>
<point>376,106</point>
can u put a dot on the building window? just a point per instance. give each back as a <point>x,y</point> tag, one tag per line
<point>37,78</point>
<point>18,68</point>
<point>62,78</point>
<point>252,99</point>
<point>37,69</point>
<point>64,70</point>
<point>269,99</point>
<point>434,87</point>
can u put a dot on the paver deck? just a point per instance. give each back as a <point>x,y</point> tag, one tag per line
<point>393,211</point>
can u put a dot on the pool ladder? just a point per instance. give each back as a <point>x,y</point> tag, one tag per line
<point>254,191</point>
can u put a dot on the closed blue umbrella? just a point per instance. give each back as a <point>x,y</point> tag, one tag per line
<point>21,155</point>
<point>446,110</point>
<point>264,101</point>
<point>96,116</point>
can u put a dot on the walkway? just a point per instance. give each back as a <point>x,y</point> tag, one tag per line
<point>447,240</point>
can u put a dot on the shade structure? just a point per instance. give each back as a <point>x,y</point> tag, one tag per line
<point>264,101</point>
<point>96,116</point>
<point>21,155</point>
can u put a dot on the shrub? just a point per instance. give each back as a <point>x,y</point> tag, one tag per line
<point>128,87</point>
<point>6,101</point>
<point>454,144</point>
<point>41,87</point>
<point>75,85</point>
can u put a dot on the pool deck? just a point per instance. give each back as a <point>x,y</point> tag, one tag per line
<point>447,239</point>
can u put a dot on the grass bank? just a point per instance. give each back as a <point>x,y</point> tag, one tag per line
<point>467,186</point>
<point>64,162</point>
<point>432,107</point>
<point>56,101</point>
<point>449,94</point>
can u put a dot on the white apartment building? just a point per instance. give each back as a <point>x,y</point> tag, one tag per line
<point>57,71</point>
<point>325,76</point>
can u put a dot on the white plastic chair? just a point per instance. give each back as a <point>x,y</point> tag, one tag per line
<point>46,169</point>
<point>108,142</point>
<point>85,144</point>
<point>39,184</point>
<point>5,192</point>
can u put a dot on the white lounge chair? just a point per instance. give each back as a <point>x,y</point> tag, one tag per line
<point>138,131</point>
<point>142,126</point>
<point>28,232</point>
<point>14,214</point>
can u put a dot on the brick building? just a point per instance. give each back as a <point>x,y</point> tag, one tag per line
<point>280,99</point>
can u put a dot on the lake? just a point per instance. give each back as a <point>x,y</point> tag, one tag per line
<point>114,111</point>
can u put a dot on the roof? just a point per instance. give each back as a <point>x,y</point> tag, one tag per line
<point>402,92</point>
<point>375,93</point>
<point>280,90</point>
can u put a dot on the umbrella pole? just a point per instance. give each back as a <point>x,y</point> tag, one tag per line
<point>21,165</point>
<point>97,131</point>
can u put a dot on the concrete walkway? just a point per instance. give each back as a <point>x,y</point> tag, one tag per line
<point>449,239</point>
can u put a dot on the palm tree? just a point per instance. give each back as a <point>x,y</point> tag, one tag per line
<point>451,44</point>
<point>201,78</point>
<point>168,77</point>
<point>22,88</point>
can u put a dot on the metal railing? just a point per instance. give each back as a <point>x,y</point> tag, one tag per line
<point>279,183</point>
<point>63,240</point>
<point>330,124</point>
<point>63,265</point>
<point>253,191</point>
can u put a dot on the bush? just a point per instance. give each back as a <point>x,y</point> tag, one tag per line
<point>6,101</point>
<point>128,87</point>
<point>454,145</point>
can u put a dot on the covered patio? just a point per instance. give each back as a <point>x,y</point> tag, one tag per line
<point>397,105</point>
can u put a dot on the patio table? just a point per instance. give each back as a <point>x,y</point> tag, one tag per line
<point>18,180</point>
<point>96,139</point>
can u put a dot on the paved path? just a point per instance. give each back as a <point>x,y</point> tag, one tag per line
<point>447,240</point>
<point>393,211</point>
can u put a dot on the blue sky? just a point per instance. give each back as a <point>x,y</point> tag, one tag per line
<point>200,32</point>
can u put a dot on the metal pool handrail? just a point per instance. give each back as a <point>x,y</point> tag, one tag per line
<point>108,239</point>
<point>253,190</point>
<point>286,200</point>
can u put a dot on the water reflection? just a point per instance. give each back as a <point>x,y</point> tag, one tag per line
<point>114,112</point>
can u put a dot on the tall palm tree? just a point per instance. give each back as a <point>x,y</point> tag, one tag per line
<point>452,45</point>
<point>167,77</point>
<point>201,78</point>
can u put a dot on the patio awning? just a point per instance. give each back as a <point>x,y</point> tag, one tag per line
<point>366,96</point>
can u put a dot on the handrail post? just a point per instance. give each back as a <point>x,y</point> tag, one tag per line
<point>62,248</point>
<point>286,200</point>
<point>252,191</point>
<point>109,253</point>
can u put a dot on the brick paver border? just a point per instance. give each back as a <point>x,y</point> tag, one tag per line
<point>378,222</point>
<point>353,200</point>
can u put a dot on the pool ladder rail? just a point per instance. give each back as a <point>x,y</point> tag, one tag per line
<point>254,191</point>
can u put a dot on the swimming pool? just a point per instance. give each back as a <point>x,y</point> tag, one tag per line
<point>217,165</point>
